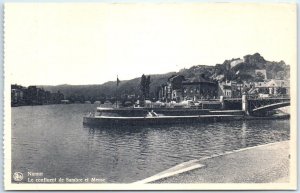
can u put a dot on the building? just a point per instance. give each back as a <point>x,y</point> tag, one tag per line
<point>175,88</point>
<point>199,88</point>
<point>172,89</point>
<point>231,89</point>
<point>17,95</point>
<point>262,73</point>
<point>162,95</point>
<point>179,88</point>
<point>273,87</point>
<point>33,96</point>
<point>235,62</point>
<point>225,89</point>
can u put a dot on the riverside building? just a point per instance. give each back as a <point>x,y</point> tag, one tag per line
<point>179,88</point>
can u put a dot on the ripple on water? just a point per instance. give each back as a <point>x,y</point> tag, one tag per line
<point>52,140</point>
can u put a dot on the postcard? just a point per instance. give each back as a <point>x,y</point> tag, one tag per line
<point>150,96</point>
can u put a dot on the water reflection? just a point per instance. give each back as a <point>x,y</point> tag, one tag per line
<point>155,148</point>
<point>52,140</point>
<point>243,134</point>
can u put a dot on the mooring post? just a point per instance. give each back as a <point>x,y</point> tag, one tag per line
<point>222,102</point>
<point>245,104</point>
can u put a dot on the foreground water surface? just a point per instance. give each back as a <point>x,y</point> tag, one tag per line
<point>52,139</point>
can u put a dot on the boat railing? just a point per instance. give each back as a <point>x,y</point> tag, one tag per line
<point>152,114</point>
<point>90,114</point>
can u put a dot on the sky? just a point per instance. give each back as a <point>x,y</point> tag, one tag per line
<point>52,44</point>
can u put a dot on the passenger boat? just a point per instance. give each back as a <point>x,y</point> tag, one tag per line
<point>157,116</point>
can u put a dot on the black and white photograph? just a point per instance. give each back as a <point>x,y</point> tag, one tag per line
<point>150,96</point>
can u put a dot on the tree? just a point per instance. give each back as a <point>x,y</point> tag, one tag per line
<point>259,77</point>
<point>148,82</point>
<point>280,75</point>
<point>145,86</point>
<point>228,75</point>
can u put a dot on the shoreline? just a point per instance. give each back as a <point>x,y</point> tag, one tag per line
<point>271,163</point>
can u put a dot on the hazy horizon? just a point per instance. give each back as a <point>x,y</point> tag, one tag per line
<point>124,79</point>
<point>85,44</point>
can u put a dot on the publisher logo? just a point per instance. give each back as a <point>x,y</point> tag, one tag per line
<point>18,176</point>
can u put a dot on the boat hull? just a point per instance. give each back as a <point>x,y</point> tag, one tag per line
<point>170,120</point>
<point>164,120</point>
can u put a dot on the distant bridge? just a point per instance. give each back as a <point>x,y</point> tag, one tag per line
<point>266,104</point>
<point>270,107</point>
<point>260,105</point>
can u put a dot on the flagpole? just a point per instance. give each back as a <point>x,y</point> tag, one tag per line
<point>117,92</point>
<point>118,82</point>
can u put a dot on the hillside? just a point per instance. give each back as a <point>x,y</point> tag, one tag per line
<point>235,69</point>
<point>108,89</point>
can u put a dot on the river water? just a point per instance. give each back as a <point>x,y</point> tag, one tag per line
<point>52,139</point>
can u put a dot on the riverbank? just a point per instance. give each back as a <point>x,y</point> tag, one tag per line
<point>260,164</point>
